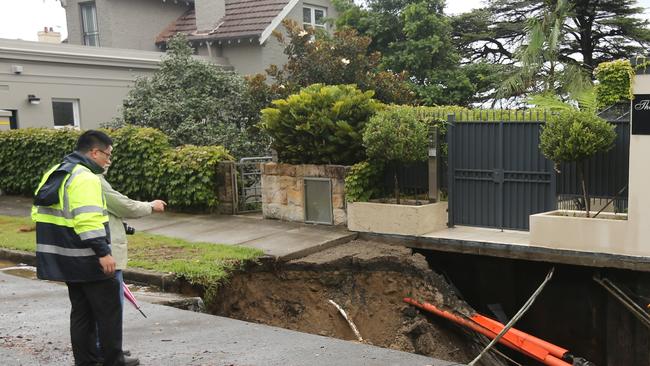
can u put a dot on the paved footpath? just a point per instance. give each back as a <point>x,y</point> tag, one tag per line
<point>34,321</point>
<point>284,240</point>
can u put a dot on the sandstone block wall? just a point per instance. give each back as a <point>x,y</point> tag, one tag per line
<point>226,189</point>
<point>283,190</point>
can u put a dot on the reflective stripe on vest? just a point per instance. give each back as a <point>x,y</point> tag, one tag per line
<point>92,234</point>
<point>64,215</point>
<point>68,252</point>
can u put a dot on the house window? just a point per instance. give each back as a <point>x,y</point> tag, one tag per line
<point>89,28</point>
<point>65,112</point>
<point>313,16</point>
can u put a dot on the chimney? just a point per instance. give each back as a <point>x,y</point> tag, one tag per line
<point>209,14</point>
<point>48,35</point>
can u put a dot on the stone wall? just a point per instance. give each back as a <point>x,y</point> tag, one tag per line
<point>283,190</point>
<point>226,189</point>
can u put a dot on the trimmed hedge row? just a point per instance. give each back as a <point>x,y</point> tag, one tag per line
<point>144,167</point>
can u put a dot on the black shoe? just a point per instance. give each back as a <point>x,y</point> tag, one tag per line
<point>131,361</point>
<point>100,360</point>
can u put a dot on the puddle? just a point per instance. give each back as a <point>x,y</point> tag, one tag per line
<point>18,269</point>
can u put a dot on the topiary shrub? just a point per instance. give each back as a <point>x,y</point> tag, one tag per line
<point>397,135</point>
<point>575,136</point>
<point>320,125</point>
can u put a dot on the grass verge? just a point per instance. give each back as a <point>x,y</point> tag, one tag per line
<point>204,264</point>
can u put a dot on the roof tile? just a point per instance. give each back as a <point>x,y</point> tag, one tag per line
<point>244,18</point>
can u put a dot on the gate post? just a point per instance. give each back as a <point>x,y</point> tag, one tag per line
<point>451,119</point>
<point>433,163</point>
<point>226,191</point>
<point>498,175</point>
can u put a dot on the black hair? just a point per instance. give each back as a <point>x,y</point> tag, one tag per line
<point>93,139</point>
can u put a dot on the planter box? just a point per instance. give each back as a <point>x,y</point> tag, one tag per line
<point>386,218</point>
<point>570,230</point>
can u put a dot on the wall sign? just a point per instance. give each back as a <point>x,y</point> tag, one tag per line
<point>641,114</point>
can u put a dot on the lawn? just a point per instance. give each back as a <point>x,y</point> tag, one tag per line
<point>201,263</point>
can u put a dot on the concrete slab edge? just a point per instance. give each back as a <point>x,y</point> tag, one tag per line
<point>317,248</point>
<point>165,281</point>
<point>514,251</point>
<point>18,256</point>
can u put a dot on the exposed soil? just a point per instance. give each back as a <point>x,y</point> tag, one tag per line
<point>369,281</point>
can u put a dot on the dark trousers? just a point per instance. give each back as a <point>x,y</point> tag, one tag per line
<point>96,304</point>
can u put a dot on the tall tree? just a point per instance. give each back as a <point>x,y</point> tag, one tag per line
<point>540,68</point>
<point>195,102</point>
<point>416,37</point>
<point>594,31</point>
<point>316,57</point>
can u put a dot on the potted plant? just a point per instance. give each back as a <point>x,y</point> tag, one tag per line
<point>397,135</point>
<point>575,136</point>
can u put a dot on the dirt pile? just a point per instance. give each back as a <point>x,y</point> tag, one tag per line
<point>368,280</point>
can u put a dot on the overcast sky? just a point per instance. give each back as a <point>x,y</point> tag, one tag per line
<point>22,19</point>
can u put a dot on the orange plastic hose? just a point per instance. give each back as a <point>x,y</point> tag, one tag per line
<point>494,325</point>
<point>518,343</point>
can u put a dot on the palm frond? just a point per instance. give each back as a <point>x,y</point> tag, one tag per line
<point>549,101</point>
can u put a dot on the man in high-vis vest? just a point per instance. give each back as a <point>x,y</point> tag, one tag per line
<point>73,246</point>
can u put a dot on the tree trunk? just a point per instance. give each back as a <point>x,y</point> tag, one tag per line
<point>585,194</point>
<point>396,185</point>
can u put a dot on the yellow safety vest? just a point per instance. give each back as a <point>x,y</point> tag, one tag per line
<point>73,233</point>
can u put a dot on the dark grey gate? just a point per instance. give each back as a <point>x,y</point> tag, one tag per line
<point>497,174</point>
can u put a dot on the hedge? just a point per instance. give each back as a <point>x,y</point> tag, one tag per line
<point>144,167</point>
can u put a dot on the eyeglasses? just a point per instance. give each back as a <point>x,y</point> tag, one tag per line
<point>108,155</point>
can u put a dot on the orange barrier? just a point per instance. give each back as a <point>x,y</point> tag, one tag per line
<point>520,342</point>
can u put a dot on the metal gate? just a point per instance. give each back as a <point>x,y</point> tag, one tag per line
<point>497,174</point>
<point>248,181</point>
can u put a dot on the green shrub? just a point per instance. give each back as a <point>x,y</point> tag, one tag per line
<point>575,136</point>
<point>145,166</point>
<point>188,176</point>
<point>361,182</point>
<point>398,135</point>
<point>320,125</point>
<point>614,82</point>
<point>196,102</point>
<point>137,156</point>
<point>25,154</point>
